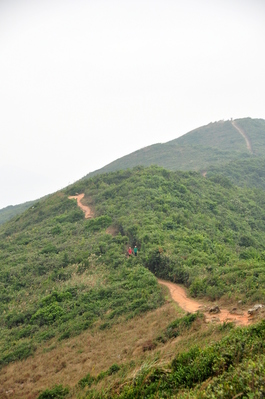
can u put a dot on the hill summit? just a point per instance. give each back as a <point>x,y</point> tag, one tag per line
<point>212,145</point>
<point>232,148</point>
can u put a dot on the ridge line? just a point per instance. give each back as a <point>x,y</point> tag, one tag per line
<point>241,131</point>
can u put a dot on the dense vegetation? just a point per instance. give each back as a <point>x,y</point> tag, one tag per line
<point>212,145</point>
<point>217,148</point>
<point>248,172</point>
<point>13,210</point>
<point>205,234</point>
<point>61,274</point>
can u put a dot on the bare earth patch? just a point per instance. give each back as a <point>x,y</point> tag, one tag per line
<point>179,295</point>
<point>86,209</point>
<point>112,230</point>
<point>243,133</point>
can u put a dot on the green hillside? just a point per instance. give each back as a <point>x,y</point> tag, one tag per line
<point>211,145</point>
<point>248,172</point>
<point>11,211</point>
<point>208,148</point>
<point>62,275</point>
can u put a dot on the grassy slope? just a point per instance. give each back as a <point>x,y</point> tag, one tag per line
<point>214,144</point>
<point>255,129</point>
<point>220,135</point>
<point>11,211</point>
<point>248,172</point>
<point>233,367</point>
<point>61,275</point>
<point>208,147</point>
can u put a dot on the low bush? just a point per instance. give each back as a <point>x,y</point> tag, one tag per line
<point>57,392</point>
<point>19,352</point>
<point>86,381</point>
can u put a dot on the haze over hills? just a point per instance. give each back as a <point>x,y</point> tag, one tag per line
<point>223,147</point>
<point>10,211</point>
<point>210,145</point>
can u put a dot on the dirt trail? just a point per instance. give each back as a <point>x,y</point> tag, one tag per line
<point>177,292</point>
<point>241,131</point>
<point>179,295</point>
<point>84,208</point>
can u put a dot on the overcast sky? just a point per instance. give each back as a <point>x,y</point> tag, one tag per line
<point>84,82</point>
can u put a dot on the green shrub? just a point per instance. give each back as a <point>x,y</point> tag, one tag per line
<point>175,328</point>
<point>20,352</point>
<point>86,381</point>
<point>65,335</point>
<point>49,249</point>
<point>57,392</point>
<point>56,230</point>
<point>48,315</point>
<point>96,224</point>
<point>113,369</point>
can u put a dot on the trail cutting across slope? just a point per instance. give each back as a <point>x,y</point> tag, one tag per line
<point>177,292</point>
<point>241,131</point>
<point>84,208</point>
<point>179,295</point>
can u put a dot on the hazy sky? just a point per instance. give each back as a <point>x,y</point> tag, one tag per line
<point>84,82</point>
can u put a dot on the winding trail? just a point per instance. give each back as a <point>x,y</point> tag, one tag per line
<point>241,131</point>
<point>179,295</point>
<point>84,208</point>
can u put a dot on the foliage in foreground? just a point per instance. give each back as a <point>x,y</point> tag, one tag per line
<point>57,392</point>
<point>233,366</point>
<point>61,274</point>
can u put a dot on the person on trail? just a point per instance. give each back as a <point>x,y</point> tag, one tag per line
<point>135,250</point>
<point>130,251</point>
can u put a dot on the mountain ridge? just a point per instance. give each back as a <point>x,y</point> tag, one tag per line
<point>211,146</point>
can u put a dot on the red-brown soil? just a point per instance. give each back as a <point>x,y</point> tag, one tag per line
<point>179,295</point>
<point>84,208</point>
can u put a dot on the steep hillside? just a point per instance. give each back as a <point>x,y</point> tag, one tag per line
<point>248,172</point>
<point>214,144</point>
<point>11,211</point>
<point>212,147</point>
<point>63,276</point>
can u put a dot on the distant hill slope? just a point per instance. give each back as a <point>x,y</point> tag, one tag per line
<point>248,172</point>
<point>210,148</point>
<point>215,144</point>
<point>11,211</point>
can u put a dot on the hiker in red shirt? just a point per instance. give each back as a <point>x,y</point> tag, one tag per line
<point>130,251</point>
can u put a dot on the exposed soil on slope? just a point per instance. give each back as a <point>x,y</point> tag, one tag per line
<point>179,295</point>
<point>243,133</point>
<point>85,209</point>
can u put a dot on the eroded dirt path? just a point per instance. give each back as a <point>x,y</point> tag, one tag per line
<point>241,131</point>
<point>84,208</point>
<point>179,295</point>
